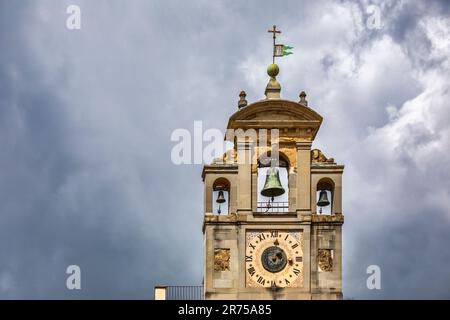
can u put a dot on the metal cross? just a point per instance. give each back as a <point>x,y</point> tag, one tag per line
<point>274,31</point>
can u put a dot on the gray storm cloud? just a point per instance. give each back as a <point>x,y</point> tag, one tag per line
<point>86,118</point>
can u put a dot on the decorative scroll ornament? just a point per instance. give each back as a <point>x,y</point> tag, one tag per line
<point>325,259</point>
<point>221,259</point>
<point>229,157</point>
<point>318,157</point>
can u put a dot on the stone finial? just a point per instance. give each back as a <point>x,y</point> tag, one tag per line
<point>242,102</point>
<point>303,98</point>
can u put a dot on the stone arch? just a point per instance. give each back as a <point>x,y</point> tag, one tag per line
<point>221,189</point>
<point>327,184</point>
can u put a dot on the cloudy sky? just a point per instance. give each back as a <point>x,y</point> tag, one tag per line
<point>86,117</point>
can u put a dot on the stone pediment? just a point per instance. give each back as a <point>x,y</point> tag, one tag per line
<point>276,114</point>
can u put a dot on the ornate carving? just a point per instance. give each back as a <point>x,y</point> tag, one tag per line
<point>325,260</point>
<point>228,157</point>
<point>289,153</point>
<point>318,156</point>
<point>221,259</point>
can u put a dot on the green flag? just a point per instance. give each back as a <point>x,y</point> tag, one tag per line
<point>286,51</point>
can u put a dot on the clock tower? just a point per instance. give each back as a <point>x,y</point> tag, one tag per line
<point>273,205</point>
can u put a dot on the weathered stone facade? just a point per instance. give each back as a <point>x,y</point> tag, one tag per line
<point>317,266</point>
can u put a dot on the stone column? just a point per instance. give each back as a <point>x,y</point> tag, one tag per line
<point>304,177</point>
<point>244,179</point>
<point>207,197</point>
<point>337,194</point>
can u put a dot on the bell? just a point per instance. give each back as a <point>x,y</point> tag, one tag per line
<point>220,197</point>
<point>323,199</point>
<point>272,186</point>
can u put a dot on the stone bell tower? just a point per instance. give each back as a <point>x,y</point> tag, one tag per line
<point>273,206</point>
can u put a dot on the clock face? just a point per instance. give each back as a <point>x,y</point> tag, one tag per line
<point>274,258</point>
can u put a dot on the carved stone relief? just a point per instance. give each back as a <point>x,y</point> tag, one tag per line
<point>325,260</point>
<point>221,259</point>
<point>318,157</point>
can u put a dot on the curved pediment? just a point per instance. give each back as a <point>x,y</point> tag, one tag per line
<point>276,109</point>
<point>277,113</point>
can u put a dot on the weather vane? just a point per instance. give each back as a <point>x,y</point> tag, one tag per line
<point>279,50</point>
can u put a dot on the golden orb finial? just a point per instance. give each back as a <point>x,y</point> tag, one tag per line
<point>273,70</point>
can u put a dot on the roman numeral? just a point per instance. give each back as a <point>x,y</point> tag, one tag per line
<point>248,258</point>
<point>252,246</point>
<point>274,234</point>
<point>298,259</point>
<point>287,281</point>
<point>296,271</point>
<point>295,246</point>
<point>286,237</point>
<point>251,271</point>
<point>261,280</point>
<point>261,236</point>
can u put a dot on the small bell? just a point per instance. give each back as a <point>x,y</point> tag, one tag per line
<point>323,200</point>
<point>272,186</point>
<point>220,197</point>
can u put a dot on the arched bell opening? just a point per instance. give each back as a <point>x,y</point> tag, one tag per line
<point>273,184</point>
<point>324,196</point>
<point>221,196</point>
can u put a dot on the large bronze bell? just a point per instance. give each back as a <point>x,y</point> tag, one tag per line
<point>272,186</point>
<point>323,199</point>
<point>220,197</point>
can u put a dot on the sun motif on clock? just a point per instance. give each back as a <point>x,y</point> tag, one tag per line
<point>274,258</point>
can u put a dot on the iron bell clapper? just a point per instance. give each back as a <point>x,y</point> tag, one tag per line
<point>272,186</point>
<point>220,199</point>
<point>323,200</point>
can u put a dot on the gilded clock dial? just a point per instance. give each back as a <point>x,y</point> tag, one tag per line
<point>274,258</point>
